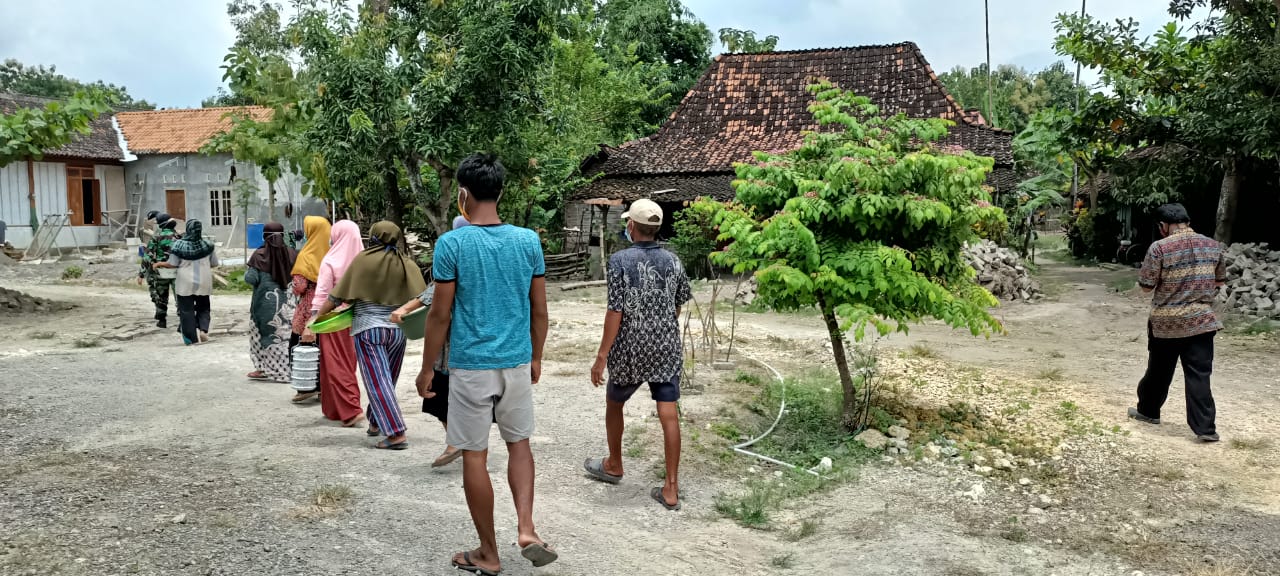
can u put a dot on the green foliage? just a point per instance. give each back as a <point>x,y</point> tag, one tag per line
<point>1039,152</point>
<point>235,281</point>
<point>28,132</point>
<point>1017,95</point>
<point>865,222</point>
<point>695,237</point>
<point>72,273</point>
<point>658,32</point>
<point>745,41</point>
<point>48,83</point>
<point>1211,94</point>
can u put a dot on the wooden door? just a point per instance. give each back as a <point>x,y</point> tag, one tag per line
<point>84,196</point>
<point>175,203</point>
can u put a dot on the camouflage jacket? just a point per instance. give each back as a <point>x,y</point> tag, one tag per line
<point>158,248</point>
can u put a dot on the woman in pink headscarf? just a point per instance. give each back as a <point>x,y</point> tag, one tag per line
<point>339,390</point>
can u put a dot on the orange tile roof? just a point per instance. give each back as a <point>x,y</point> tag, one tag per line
<point>178,131</point>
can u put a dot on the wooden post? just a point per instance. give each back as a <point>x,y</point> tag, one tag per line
<point>604,204</point>
<point>34,218</point>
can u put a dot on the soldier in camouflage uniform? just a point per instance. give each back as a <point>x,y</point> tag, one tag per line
<point>158,251</point>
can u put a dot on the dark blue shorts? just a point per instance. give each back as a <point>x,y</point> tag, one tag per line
<point>661,391</point>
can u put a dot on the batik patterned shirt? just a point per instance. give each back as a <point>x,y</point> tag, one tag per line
<point>1183,271</point>
<point>647,285</point>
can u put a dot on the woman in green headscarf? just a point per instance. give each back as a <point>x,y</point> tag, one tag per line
<point>195,258</point>
<point>378,281</point>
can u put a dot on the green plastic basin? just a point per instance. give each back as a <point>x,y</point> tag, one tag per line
<point>415,324</point>
<point>334,321</point>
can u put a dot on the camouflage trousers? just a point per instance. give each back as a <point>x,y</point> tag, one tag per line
<point>160,289</point>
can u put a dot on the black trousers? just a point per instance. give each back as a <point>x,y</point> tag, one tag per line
<point>193,317</point>
<point>1196,354</point>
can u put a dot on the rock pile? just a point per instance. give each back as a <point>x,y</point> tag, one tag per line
<point>14,302</point>
<point>1253,280</point>
<point>1001,272</point>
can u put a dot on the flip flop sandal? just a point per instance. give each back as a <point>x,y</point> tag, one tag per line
<point>472,568</point>
<point>539,554</point>
<point>256,375</point>
<point>353,421</point>
<point>656,494</point>
<point>595,467</point>
<point>446,459</point>
<point>383,445</point>
<point>372,431</point>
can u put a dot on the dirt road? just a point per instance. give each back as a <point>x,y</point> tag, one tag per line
<point>146,457</point>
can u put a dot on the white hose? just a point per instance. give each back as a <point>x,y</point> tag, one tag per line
<point>782,409</point>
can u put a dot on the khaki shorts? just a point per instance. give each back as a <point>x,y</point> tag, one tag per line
<point>479,397</point>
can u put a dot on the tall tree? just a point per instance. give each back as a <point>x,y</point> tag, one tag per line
<point>1213,94</point>
<point>47,82</point>
<point>745,41</point>
<point>864,222</point>
<point>658,31</point>
<point>1016,96</point>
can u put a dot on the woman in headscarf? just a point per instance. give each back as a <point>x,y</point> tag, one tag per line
<point>270,310</point>
<point>306,272</point>
<point>195,259</point>
<point>339,389</point>
<point>378,281</point>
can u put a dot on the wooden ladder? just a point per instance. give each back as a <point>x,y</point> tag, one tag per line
<point>133,222</point>
<point>46,237</point>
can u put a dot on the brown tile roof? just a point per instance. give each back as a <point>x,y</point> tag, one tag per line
<point>749,102</point>
<point>100,144</point>
<point>178,131</point>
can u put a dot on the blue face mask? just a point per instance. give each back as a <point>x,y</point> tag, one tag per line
<point>627,233</point>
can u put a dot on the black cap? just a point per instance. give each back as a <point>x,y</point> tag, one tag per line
<point>1172,214</point>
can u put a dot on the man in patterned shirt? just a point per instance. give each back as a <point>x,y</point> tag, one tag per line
<point>158,251</point>
<point>1183,272</point>
<point>641,344</point>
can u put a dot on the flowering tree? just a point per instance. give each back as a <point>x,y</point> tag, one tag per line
<point>866,222</point>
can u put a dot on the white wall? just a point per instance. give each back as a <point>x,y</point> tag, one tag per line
<point>15,208</point>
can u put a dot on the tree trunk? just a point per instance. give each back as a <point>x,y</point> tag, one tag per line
<point>394,201</point>
<point>271,200</point>
<point>438,213</point>
<point>849,408</point>
<point>1228,198</point>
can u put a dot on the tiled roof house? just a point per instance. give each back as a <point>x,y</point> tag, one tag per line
<point>173,176</point>
<point>77,189</point>
<point>749,102</point>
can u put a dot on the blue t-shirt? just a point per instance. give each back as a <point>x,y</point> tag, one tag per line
<point>493,267</point>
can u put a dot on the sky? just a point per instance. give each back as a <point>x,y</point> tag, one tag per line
<point>169,52</point>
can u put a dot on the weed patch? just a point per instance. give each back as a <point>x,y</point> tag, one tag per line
<point>922,351</point>
<point>88,342</point>
<point>783,561</point>
<point>1051,374</point>
<point>72,273</point>
<point>1250,443</point>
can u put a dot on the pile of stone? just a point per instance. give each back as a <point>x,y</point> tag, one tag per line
<point>1001,272</point>
<point>14,302</point>
<point>1253,280</point>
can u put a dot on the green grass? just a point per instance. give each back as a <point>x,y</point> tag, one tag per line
<point>1051,374</point>
<point>922,350</point>
<point>235,282</point>
<point>331,496</point>
<point>1125,284</point>
<point>810,431</point>
<point>1250,443</point>
<point>72,273</point>
<point>807,528</point>
<point>88,342</point>
<point>1262,327</point>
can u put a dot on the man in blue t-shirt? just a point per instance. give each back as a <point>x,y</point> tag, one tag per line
<point>491,299</point>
